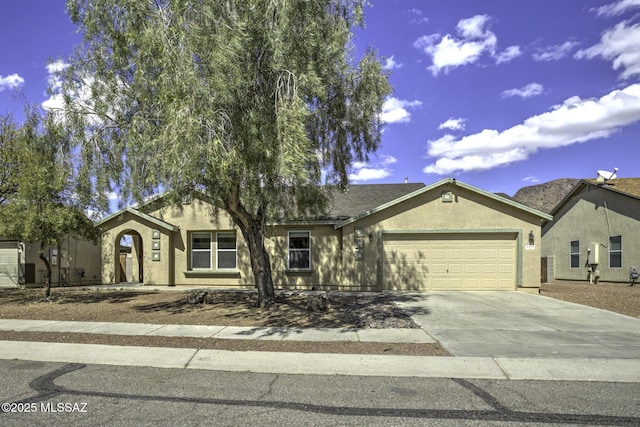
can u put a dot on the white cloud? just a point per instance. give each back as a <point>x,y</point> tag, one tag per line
<point>391,64</point>
<point>12,81</point>
<point>574,121</point>
<point>417,17</point>
<point>395,110</point>
<point>508,54</point>
<point>619,45</point>
<point>617,8</point>
<point>532,89</point>
<point>112,196</point>
<point>531,179</point>
<point>55,102</point>
<point>453,124</point>
<point>372,170</point>
<point>81,95</point>
<point>555,52</point>
<point>448,52</point>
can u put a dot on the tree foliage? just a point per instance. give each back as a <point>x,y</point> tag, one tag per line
<point>257,103</point>
<point>43,207</point>
<point>10,159</point>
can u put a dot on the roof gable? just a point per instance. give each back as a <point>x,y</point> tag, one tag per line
<point>141,215</point>
<point>627,187</point>
<point>435,185</point>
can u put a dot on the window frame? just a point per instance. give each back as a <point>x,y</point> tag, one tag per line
<point>573,255</point>
<point>618,251</point>
<point>234,250</point>
<point>193,250</point>
<point>290,250</point>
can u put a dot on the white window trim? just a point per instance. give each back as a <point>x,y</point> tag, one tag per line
<point>202,250</point>
<point>289,250</point>
<point>620,251</point>
<point>235,250</point>
<point>574,253</point>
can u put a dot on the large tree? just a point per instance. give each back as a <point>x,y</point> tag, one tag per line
<point>43,207</point>
<point>10,158</point>
<point>257,103</point>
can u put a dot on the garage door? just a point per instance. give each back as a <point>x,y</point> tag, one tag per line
<point>450,261</point>
<point>8,264</point>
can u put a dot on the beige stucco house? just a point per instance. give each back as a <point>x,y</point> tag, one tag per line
<point>596,226</point>
<point>448,235</point>
<point>77,261</point>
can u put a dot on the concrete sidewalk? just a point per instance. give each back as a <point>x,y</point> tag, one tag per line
<point>605,370</point>
<point>513,368</point>
<point>221,332</point>
<point>497,335</point>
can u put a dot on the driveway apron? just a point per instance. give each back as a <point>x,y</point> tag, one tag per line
<point>517,324</point>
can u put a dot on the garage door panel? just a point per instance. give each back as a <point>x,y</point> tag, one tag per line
<point>462,261</point>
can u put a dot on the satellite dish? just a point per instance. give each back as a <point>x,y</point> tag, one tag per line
<point>604,176</point>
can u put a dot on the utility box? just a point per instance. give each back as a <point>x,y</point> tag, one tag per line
<point>594,253</point>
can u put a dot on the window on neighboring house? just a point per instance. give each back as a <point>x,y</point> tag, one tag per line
<point>575,254</point>
<point>615,252</point>
<point>227,252</point>
<point>299,250</point>
<point>201,251</point>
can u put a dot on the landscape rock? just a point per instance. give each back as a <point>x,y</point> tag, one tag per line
<point>196,296</point>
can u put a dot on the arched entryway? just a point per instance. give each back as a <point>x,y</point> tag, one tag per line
<point>129,267</point>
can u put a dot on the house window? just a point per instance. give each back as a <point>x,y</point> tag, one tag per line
<point>615,252</point>
<point>201,251</point>
<point>575,254</point>
<point>226,251</point>
<point>299,250</point>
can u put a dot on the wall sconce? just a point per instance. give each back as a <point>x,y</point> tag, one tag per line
<point>531,238</point>
<point>370,237</point>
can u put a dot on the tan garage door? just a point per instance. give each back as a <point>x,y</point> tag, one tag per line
<point>463,261</point>
<point>8,265</point>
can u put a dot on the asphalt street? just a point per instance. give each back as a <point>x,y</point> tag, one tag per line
<point>73,394</point>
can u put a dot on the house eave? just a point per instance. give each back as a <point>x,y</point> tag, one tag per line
<point>437,184</point>
<point>135,212</point>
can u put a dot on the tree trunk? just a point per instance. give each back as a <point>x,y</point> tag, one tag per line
<point>252,228</point>
<point>260,265</point>
<point>47,292</point>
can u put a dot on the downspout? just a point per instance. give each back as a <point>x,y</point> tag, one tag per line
<point>172,266</point>
<point>606,214</point>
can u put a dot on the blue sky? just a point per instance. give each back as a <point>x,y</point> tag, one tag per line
<point>498,94</point>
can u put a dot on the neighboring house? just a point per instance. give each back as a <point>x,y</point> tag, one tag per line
<point>448,235</point>
<point>76,261</point>
<point>595,225</point>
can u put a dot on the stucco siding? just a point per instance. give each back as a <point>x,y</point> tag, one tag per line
<point>77,261</point>
<point>591,217</point>
<point>152,272</point>
<point>468,211</point>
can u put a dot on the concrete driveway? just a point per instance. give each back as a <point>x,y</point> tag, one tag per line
<point>516,324</point>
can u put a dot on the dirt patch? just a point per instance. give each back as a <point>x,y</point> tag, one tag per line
<point>227,308</point>
<point>617,297</point>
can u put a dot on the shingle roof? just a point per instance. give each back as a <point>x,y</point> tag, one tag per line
<point>629,186</point>
<point>363,197</point>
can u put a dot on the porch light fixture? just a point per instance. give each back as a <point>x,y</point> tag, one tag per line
<point>531,238</point>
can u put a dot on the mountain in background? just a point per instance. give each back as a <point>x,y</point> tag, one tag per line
<point>544,197</point>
